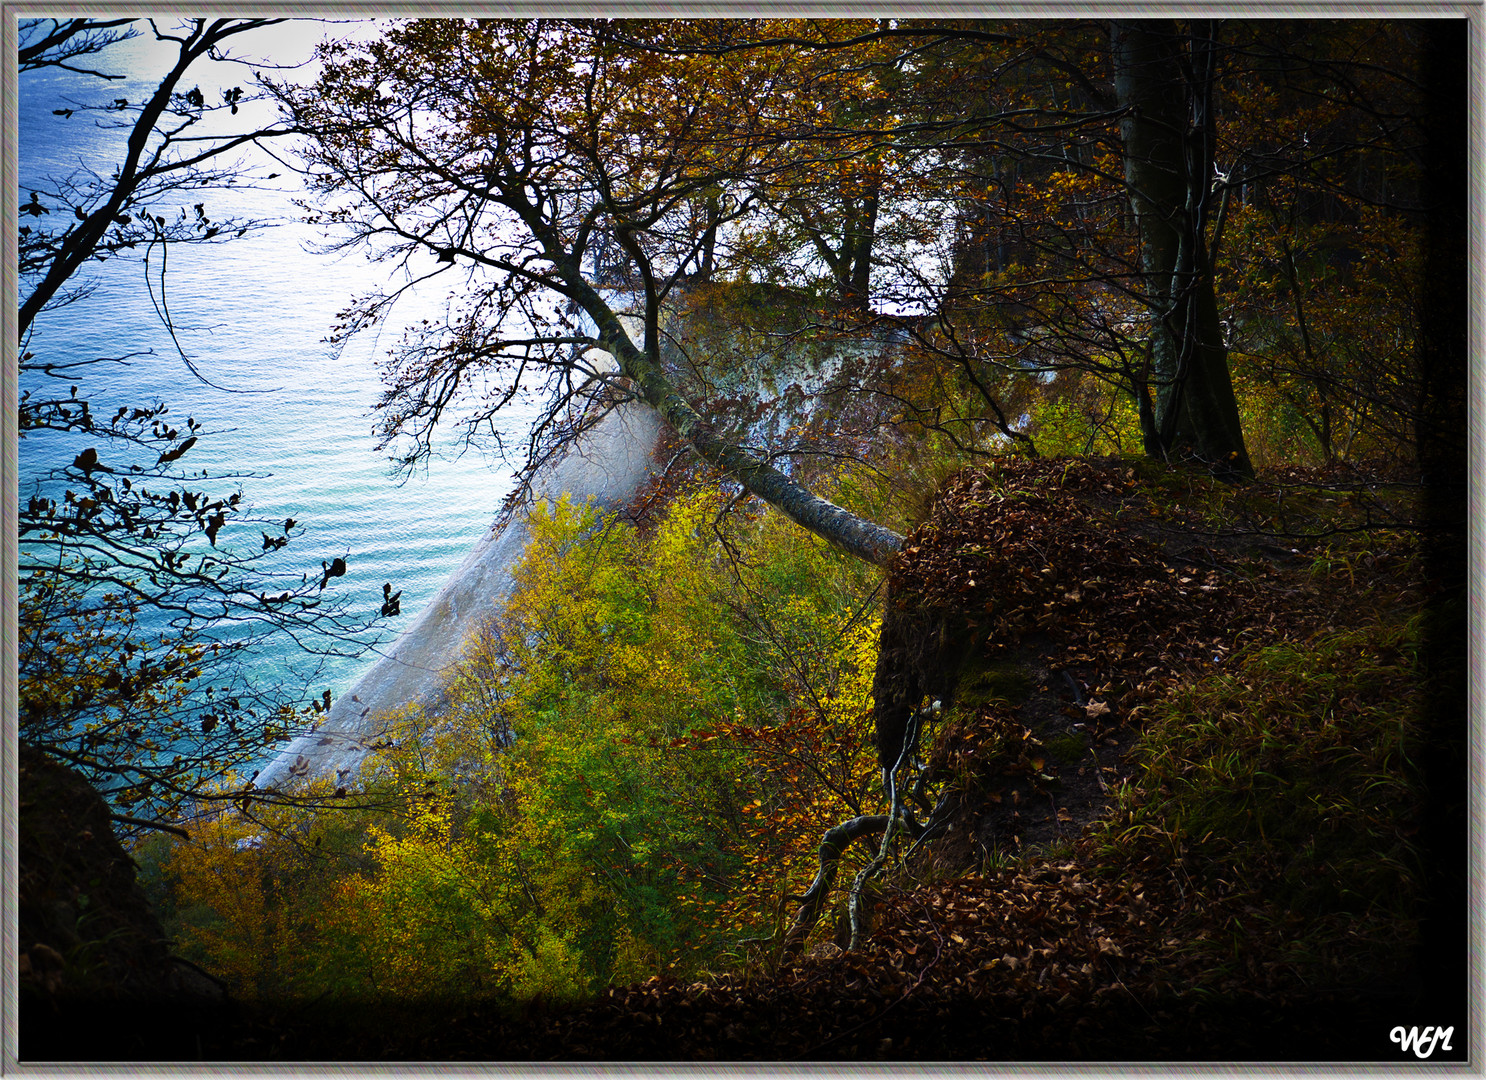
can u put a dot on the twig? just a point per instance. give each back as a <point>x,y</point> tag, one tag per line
<point>143,824</point>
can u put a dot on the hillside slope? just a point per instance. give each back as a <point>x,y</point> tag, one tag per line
<point>1174,768</point>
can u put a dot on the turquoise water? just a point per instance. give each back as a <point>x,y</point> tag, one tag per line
<point>252,314</point>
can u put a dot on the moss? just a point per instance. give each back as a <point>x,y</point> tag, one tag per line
<point>1067,749</point>
<point>1000,682</point>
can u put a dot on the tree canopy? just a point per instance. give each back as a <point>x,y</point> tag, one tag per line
<point>1093,368</point>
<point>1035,211</point>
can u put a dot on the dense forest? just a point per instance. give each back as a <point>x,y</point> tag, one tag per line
<point>1041,636</point>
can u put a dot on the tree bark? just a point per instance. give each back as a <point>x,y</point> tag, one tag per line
<point>1167,136</point>
<point>853,534</point>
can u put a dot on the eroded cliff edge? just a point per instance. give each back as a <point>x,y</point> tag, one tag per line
<point>607,467</point>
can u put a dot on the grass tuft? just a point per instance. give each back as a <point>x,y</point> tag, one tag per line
<point>1290,778</point>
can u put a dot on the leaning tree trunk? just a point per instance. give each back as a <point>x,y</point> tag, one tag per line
<point>1165,86</point>
<point>852,533</point>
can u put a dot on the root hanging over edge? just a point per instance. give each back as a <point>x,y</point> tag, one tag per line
<point>832,846</point>
<point>836,840</point>
<point>920,655</point>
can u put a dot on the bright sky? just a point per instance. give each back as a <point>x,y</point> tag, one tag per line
<point>288,43</point>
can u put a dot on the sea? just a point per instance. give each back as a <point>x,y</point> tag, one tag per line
<point>285,408</point>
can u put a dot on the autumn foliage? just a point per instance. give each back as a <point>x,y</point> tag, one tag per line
<point>631,773</point>
<point>1159,731</point>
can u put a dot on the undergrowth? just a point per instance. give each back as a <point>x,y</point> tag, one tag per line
<point>1288,780</point>
<point>689,719</point>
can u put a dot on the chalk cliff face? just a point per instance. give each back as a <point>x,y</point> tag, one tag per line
<point>607,468</point>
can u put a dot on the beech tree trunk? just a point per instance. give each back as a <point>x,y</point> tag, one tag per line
<point>1164,80</point>
<point>850,532</point>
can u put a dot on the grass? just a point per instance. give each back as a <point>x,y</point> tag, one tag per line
<point>1290,778</point>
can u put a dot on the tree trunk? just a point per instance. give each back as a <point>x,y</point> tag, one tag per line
<point>856,256</point>
<point>1167,132</point>
<point>853,534</point>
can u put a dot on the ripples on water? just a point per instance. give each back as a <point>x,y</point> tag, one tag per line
<point>251,313</point>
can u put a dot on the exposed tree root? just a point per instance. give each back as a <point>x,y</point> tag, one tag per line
<point>894,822</point>
<point>832,846</point>
<point>836,840</point>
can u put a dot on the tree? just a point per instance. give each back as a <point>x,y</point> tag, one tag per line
<point>835,204</point>
<point>1039,151</point>
<point>520,149</point>
<point>1065,244</point>
<point>685,713</point>
<point>1164,86</point>
<point>1075,290</point>
<point>164,154</point>
<point>141,590</point>
<point>1321,260</point>
<point>1244,196</point>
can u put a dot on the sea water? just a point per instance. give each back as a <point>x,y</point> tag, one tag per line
<point>286,408</point>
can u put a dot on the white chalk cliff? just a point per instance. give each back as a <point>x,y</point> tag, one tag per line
<point>607,466</point>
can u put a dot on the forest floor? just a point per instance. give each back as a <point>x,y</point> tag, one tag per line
<point>1078,908</point>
